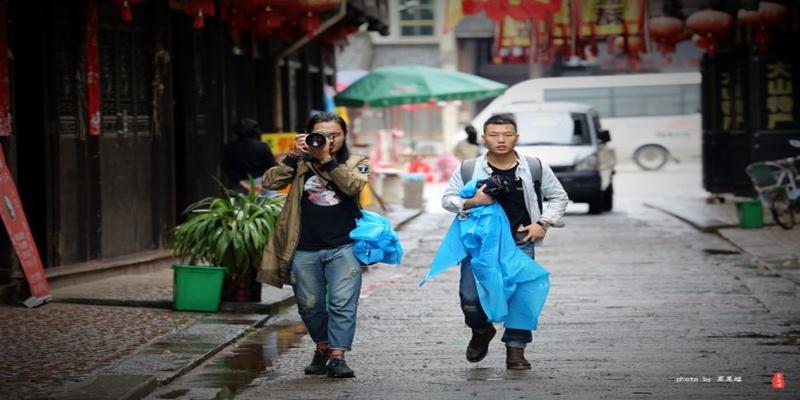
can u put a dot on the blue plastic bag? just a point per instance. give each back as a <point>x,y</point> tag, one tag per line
<point>375,240</point>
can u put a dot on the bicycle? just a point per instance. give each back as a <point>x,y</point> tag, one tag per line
<point>775,182</point>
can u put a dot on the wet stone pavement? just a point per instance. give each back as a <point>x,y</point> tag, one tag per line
<point>48,347</point>
<point>640,306</point>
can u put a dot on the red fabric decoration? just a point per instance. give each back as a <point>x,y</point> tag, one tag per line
<point>92,69</point>
<point>317,6</point>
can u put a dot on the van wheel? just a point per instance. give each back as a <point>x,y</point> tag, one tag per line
<point>608,198</point>
<point>651,157</point>
<point>596,206</point>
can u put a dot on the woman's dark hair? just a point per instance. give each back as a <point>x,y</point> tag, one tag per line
<point>247,128</point>
<point>343,154</point>
<point>500,119</point>
<point>472,134</point>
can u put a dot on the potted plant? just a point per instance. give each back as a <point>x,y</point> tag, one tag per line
<point>231,232</point>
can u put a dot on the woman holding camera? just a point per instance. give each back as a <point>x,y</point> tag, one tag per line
<point>310,247</point>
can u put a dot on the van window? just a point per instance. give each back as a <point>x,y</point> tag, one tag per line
<point>633,101</point>
<point>599,98</point>
<point>647,100</point>
<point>552,128</point>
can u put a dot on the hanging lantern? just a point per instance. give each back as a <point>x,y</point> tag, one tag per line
<point>666,31</point>
<point>711,25</point>
<point>309,23</point>
<point>125,12</point>
<point>769,14</point>
<point>200,9</point>
<point>270,18</point>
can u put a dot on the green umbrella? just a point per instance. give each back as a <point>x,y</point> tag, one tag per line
<point>410,84</point>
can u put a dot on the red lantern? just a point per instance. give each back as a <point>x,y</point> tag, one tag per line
<point>666,31</point>
<point>711,25</point>
<point>768,14</point>
<point>309,23</point>
<point>125,12</point>
<point>199,9</point>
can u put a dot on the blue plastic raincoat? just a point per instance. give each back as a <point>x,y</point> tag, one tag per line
<point>375,240</point>
<point>512,287</point>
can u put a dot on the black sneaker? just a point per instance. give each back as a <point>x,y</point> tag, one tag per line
<point>317,366</point>
<point>337,368</point>
<point>479,344</point>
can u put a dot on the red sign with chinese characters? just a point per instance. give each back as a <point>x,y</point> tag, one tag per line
<point>20,233</point>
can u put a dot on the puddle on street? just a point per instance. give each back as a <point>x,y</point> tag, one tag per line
<point>235,368</point>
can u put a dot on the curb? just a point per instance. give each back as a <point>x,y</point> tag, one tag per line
<point>139,374</point>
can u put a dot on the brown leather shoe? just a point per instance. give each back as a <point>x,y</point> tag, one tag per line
<point>479,344</point>
<point>515,358</point>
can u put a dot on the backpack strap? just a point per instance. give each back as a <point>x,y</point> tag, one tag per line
<point>535,165</point>
<point>467,166</point>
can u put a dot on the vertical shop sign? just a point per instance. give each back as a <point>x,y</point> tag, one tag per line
<point>20,234</point>
<point>780,95</point>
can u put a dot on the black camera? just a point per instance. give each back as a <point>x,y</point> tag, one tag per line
<point>496,185</point>
<point>317,139</point>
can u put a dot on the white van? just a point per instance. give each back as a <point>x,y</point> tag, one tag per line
<point>569,138</point>
<point>654,118</point>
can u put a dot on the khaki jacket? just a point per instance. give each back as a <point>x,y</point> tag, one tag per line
<point>349,177</point>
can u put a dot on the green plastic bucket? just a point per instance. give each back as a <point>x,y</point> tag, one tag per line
<point>750,213</point>
<point>197,288</point>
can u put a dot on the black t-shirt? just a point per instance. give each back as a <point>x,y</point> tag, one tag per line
<point>326,220</point>
<point>247,157</point>
<point>513,203</point>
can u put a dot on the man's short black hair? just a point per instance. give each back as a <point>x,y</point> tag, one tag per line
<point>247,127</point>
<point>500,119</point>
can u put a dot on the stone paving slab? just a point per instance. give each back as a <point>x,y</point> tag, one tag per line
<point>703,216</point>
<point>163,359</point>
<point>773,245</point>
<point>50,346</point>
<point>636,310</point>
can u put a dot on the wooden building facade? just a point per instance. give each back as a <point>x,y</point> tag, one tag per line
<point>169,94</point>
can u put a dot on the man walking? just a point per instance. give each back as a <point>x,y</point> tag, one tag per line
<point>530,182</point>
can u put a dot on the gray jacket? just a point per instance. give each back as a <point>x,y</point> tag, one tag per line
<point>552,210</point>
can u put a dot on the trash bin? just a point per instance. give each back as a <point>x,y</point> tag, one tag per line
<point>197,288</point>
<point>413,185</point>
<point>391,187</point>
<point>750,213</point>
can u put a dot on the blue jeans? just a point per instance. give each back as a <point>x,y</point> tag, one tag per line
<point>339,272</point>
<point>474,316</point>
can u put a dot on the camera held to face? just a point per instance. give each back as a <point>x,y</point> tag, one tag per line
<point>318,139</point>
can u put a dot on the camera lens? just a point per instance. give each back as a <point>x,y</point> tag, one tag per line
<point>315,140</point>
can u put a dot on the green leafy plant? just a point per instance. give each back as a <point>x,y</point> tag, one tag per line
<point>229,231</point>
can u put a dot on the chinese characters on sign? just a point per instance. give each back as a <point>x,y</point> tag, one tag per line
<point>780,95</point>
<point>732,102</point>
<point>18,230</point>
